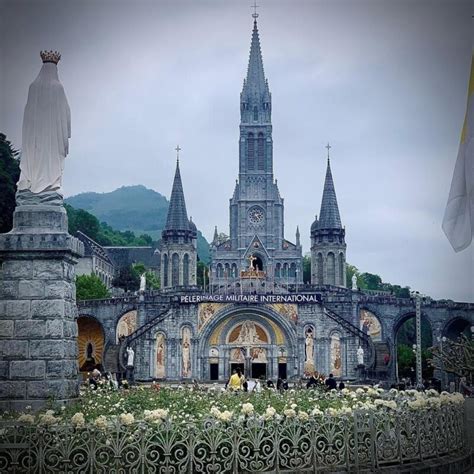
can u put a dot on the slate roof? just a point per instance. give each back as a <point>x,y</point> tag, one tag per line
<point>177,218</point>
<point>329,217</point>
<point>126,256</point>
<point>91,247</point>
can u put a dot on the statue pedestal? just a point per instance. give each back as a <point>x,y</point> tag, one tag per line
<point>361,372</point>
<point>38,328</point>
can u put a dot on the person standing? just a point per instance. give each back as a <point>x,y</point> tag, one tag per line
<point>331,382</point>
<point>235,381</point>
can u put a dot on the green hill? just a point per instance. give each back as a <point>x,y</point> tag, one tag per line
<point>133,208</point>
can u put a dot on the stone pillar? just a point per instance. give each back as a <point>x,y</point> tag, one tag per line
<point>38,328</point>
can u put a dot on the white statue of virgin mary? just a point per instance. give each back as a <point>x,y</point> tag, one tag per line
<point>46,133</point>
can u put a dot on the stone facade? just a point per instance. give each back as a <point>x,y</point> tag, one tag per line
<point>38,329</point>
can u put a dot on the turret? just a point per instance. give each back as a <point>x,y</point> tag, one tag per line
<point>178,240</point>
<point>328,246</point>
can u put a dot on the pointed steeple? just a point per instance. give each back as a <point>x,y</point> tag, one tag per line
<point>255,80</point>
<point>177,216</point>
<point>255,97</point>
<point>329,217</point>
<point>298,235</point>
<point>216,236</point>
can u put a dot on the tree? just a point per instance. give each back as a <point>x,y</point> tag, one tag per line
<point>455,357</point>
<point>9,175</point>
<point>306,269</point>
<point>90,287</point>
<point>372,281</point>
<point>201,269</point>
<point>128,279</point>
<point>152,281</point>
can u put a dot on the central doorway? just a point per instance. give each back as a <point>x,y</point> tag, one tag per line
<point>235,366</point>
<point>259,370</point>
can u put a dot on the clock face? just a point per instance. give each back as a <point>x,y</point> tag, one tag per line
<point>256,215</point>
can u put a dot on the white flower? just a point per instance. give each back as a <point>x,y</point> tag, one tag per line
<point>101,422</point>
<point>25,418</point>
<point>360,391</point>
<point>316,412</point>
<point>293,405</point>
<point>48,419</point>
<point>78,420</point>
<point>247,408</point>
<point>226,415</point>
<point>289,413</point>
<point>126,419</point>
<point>155,415</point>
<point>303,416</point>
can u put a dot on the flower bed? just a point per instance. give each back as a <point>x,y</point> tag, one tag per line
<point>148,430</point>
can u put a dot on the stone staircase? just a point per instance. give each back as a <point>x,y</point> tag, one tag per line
<point>382,350</point>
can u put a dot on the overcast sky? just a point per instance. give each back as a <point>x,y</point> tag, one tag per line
<point>384,82</point>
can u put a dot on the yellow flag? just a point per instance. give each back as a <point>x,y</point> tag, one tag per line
<point>458,221</point>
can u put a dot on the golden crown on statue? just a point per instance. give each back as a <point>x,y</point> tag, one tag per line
<point>50,56</point>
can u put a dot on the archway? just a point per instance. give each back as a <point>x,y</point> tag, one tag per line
<point>258,263</point>
<point>405,347</point>
<point>259,341</point>
<point>457,327</point>
<point>90,341</point>
<point>126,325</point>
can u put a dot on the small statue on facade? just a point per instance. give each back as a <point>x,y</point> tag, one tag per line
<point>360,356</point>
<point>129,375</point>
<point>142,283</point>
<point>354,282</point>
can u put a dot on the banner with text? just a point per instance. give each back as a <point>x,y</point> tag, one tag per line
<point>310,298</point>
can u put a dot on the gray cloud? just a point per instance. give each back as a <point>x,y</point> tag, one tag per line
<point>384,82</point>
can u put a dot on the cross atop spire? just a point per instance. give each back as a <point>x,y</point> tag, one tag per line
<point>255,6</point>
<point>178,149</point>
<point>328,146</point>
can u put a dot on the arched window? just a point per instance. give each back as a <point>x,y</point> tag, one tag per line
<point>255,114</point>
<point>293,270</point>
<point>250,152</point>
<point>320,269</point>
<point>341,270</point>
<point>331,266</point>
<point>278,270</point>
<point>175,270</point>
<point>186,270</point>
<point>234,271</point>
<point>165,270</point>
<point>226,270</point>
<point>261,152</point>
<point>285,270</point>
<point>219,270</point>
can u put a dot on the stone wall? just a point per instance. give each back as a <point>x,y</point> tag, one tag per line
<point>38,329</point>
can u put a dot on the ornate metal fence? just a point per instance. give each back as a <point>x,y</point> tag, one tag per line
<point>362,440</point>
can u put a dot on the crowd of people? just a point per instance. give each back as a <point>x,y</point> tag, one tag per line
<point>238,382</point>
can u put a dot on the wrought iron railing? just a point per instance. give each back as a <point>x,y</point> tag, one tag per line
<point>361,441</point>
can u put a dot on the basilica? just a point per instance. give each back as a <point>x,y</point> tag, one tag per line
<point>254,312</point>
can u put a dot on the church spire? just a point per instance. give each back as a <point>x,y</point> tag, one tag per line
<point>255,96</point>
<point>177,218</point>
<point>329,217</point>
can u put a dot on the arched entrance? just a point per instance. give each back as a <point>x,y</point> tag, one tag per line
<point>259,341</point>
<point>90,341</point>
<point>457,327</point>
<point>126,325</point>
<point>405,347</point>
